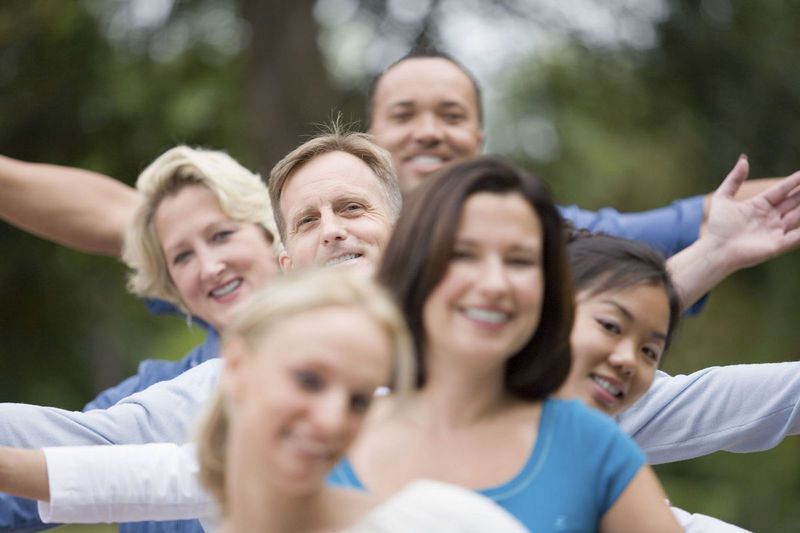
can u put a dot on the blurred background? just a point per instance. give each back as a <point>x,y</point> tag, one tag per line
<point>612,102</point>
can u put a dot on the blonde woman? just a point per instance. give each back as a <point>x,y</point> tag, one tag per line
<point>302,362</point>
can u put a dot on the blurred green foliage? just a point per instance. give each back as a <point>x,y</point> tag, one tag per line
<point>89,84</point>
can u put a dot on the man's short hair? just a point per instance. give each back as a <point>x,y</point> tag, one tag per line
<point>335,139</point>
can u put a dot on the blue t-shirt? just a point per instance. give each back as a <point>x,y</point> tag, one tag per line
<point>579,466</point>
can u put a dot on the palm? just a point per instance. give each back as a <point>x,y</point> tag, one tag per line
<point>758,228</point>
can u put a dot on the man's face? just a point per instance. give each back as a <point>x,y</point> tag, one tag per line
<point>335,214</point>
<point>425,112</point>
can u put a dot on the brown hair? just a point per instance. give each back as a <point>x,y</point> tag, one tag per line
<point>418,254</point>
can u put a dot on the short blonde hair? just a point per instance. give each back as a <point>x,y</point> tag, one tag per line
<point>289,296</point>
<point>242,196</point>
<point>336,139</point>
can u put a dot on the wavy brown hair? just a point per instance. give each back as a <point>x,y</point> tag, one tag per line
<point>420,250</point>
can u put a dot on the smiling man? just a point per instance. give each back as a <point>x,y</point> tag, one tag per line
<point>336,198</point>
<point>426,111</point>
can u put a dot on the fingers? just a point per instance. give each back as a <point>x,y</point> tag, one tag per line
<point>735,178</point>
<point>790,211</point>
<point>778,192</point>
<point>790,240</point>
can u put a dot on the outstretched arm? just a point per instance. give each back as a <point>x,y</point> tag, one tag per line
<point>156,481</point>
<point>74,207</point>
<point>737,408</point>
<point>739,233</point>
<point>24,473</point>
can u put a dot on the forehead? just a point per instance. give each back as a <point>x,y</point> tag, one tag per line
<point>327,177</point>
<point>190,204</point>
<point>503,219</point>
<point>646,301</point>
<point>344,341</point>
<point>425,79</point>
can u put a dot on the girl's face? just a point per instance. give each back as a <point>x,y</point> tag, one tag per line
<point>214,262</point>
<point>299,400</point>
<point>616,342</point>
<point>488,303</point>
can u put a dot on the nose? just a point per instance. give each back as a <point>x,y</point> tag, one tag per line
<point>493,278</point>
<point>623,358</point>
<point>331,415</point>
<point>211,265</point>
<point>332,229</point>
<point>428,129</point>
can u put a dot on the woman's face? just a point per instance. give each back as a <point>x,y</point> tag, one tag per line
<point>299,401</point>
<point>616,342</point>
<point>488,303</point>
<point>214,262</point>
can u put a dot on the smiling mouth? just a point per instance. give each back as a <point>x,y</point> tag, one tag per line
<point>608,387</point>
<point>227,288</point>
<point>427,160</point>
<point>342,258</point>
<point>487,315</point>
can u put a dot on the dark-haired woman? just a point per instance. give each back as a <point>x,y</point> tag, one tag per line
<point>478,265</point>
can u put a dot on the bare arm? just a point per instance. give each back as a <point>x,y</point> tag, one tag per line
<point>72,206</point>
<point>23,473</point>
<point>739,233</point>
<point>642,506</point>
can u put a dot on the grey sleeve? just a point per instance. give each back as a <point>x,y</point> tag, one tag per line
<point>164,412</point>
<point>737,408</point>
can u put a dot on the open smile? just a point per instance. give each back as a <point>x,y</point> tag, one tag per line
<point>609,391</point>
<point>342,259</point>
<point>226,289</point>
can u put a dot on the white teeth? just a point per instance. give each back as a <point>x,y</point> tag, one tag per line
<point>605,384</point>
<point>486,315</point>
<point>342,259</point>
<point>427,160</point>
<point>226,289</point>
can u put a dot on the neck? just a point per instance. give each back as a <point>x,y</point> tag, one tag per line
<point>460,396</point>
<point>273,511</point>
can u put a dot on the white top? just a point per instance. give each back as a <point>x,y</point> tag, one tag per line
<point>101,494</point>
<point>124,483</point>
<point>426,505</point>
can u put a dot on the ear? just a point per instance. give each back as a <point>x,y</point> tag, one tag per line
<point>234,355</point>
<point>285,261</point>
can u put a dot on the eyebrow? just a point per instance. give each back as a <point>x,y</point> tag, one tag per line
<point>473,243</point>
<point>335,202</point>
<point>412,103</point>
<point>628,315</point>
<point>308,210</point>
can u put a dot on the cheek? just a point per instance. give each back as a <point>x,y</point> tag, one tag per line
<point>644,378</point>
<point>529,291</point>
<point>183,281</point>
